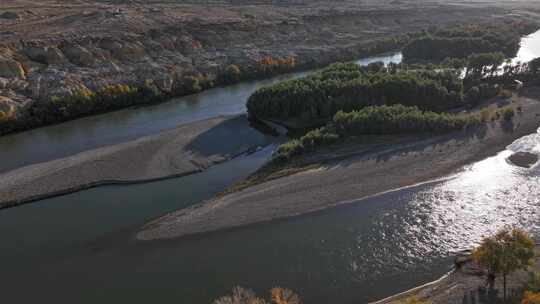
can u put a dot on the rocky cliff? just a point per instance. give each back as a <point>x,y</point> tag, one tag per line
<point>55,49</point>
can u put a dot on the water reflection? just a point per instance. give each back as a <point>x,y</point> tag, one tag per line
<point>530,48</point>
<point>484,198</point>
<point>350,254</point>
<point>74,136</point>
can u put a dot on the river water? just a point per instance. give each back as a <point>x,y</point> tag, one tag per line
<point>75,136</point>
<point>80,248</point>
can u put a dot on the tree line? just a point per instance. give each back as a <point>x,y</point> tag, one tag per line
<point>396,119</point>
<point>348,87</point>
<point>81,102</point>
<point>461,41</point>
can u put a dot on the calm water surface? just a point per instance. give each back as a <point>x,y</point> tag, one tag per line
<point>79,248</point>
<point>74,136</point>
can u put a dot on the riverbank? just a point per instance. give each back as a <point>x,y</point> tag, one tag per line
<point>464,281</point>
<point>50,52</point>
<point>177,152</point>
<point>348,179</point>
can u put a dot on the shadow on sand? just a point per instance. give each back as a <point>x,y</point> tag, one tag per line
<point>231,137</point>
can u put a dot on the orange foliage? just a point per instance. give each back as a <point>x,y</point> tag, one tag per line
<point>531,298</point>
<point>269,63</point>
<point>284,296</point>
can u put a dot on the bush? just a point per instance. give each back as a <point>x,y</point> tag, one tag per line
<point>480,65</point>
<point>531,298</point>
<point>375,120</point>
<point>190,85</point>
<point>231,74</point>
<point>481,92</point>
<point>413,300</point>
<point>533,283</point>
<point>508,114</point>
<point>399,119</point>
<point>485,115</point>
<point>278,295</point>
<point>505,94</point>
<point>270,65</point>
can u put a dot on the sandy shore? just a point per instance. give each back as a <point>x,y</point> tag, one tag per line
<point>465,280</point>
<point>341,181</point>
<point>184,150</point>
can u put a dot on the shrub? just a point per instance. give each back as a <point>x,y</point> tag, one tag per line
<point>413,300</point>
<point>533,283</point>
<point>278,295</point>
<point>190,85</point>
<point>485,115</point>
<point>240,296</point>
<point>3,116</point>
<point>292,148</point>
<point>508,114</point>
<point>375,120</point>
<point>231,74</point>
<point>399,119</point>
<point>505,94</point>
<point>270,65</point>
<point>531,298</point>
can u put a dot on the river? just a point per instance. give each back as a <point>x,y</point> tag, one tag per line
<point>80,247</point>
<point>91,132</point>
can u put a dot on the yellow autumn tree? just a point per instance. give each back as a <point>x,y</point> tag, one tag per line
<point>413,300</point>
<point>531,298</point>
<point>242,295</point>
<point>504,253</point>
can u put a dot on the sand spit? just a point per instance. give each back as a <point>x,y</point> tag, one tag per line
<point>184,150</point>
<point>347,180</point>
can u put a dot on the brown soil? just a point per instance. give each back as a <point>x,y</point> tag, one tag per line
<point>51,48</point>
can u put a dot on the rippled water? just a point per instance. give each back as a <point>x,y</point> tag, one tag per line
<point>482,199</point>
<point>351,254</point>
<point>79,248</point>
<point>530,48</point>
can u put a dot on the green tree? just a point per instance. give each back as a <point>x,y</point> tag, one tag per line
<point>504,253</point>
<point>413,300</point>
<point>231,74</point>
<point>481,64</point>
